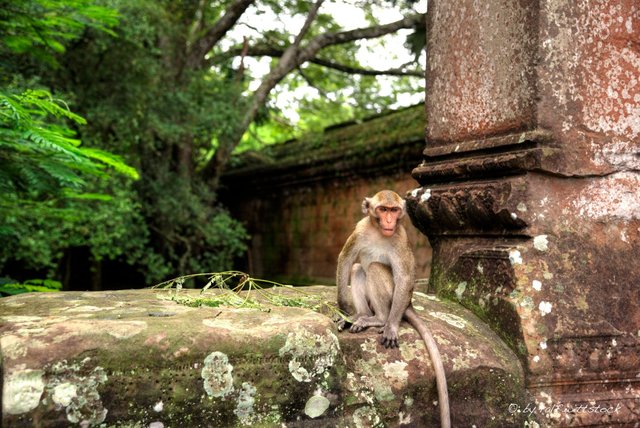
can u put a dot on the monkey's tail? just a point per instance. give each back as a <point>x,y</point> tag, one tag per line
<point>441,380</point>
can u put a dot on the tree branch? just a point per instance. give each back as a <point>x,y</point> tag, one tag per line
<point>310,83</point>
<point>286,63</point>
<point>325,40</point>
<point>366,72</point>
<point>199,48</point>
<point>257,51</point>
<point>213,169</point>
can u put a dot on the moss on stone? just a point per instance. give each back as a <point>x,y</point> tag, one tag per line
<point>238,367</point>
<point>391,141</point>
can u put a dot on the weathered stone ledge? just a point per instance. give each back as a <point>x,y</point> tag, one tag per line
<point>135,358</point>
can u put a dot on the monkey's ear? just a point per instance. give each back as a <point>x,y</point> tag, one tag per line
<point>403,208</point>
<point>366,203</point>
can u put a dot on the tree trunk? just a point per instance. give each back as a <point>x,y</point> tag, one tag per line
<point>96,274</point>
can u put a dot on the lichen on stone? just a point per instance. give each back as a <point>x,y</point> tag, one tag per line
<point>74,387</point>
<point>396,372</point>
<point>246,400</point>
<point>461,289</point>
<point>310,354</point>
<point>217,376</point>
<point>541,243</point>
<point>22,391</point>
<point>545,308</point>
<point>366,417</point>
<point>515,257</point>
<point>316,406</point>
<point>64,393</point>
<point>450,319</point>
<point>372,375</point>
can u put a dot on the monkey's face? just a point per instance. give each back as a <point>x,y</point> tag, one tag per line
<point>388,219</point>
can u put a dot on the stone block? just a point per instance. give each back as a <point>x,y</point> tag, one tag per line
<point>137,358</point>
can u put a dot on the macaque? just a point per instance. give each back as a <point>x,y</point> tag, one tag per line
<point>378,262</point>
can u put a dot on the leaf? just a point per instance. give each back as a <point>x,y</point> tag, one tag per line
<point>32,285</point>
<point>88,196</point>
<point>112,160</point>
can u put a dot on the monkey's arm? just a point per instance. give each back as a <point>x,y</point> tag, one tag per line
<point>403,278</point>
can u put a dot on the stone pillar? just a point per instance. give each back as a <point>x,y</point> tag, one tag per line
<point>530,190</point>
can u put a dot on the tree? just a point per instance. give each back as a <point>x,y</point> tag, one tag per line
<point>170,91</point>
<point>303,49</point>
<point>39,157</point>
<point>48,177</point>
<point>141,101</point>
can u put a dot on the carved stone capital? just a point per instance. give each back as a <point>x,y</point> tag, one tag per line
<point>469,208</point>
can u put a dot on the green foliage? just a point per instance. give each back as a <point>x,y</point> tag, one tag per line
<point>239,290</point>
<point>192,232</point>
<point>59,194</point>
<point>185,234</point>
<point>9,287</point>
<point>169,124</point>
<point>42,28</point>
<point>109,224</point>
<point>45,170</point>
<point>39,158</point>
<point>126,72</point>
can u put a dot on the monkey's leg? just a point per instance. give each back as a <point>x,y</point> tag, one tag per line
<point>379,291</point>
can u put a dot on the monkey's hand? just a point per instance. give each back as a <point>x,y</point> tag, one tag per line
<point>389,336</point>
<point>341,323</point>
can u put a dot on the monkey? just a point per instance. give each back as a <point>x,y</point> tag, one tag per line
<point>378,262</point>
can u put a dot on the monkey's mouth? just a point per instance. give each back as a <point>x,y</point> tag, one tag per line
<point>388,231</point>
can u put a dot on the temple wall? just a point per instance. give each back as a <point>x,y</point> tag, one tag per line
<point>529,190</point>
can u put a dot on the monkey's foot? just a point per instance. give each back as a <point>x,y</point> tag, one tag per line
<point>389,337</point>
<point>365,322</point>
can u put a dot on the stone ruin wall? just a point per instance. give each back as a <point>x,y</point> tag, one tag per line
<point>297,232</point>
<point>530,190</point>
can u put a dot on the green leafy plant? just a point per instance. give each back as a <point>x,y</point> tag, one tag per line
<point>239,290</point>
<point>43,28</point>
<point>9,287</point>
<point>40,158</point>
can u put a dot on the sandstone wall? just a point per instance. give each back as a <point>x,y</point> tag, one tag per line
<point>530,190</point>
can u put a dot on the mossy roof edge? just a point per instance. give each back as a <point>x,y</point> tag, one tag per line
<point>387,132</point>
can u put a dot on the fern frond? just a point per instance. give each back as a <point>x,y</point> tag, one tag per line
<point>49,140</point>
<point>43,101</point>
<point>61,173</point>
<point>42,159</point>
<point>112,160</point>
<point>11,109</point>
<point>88,196</point>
